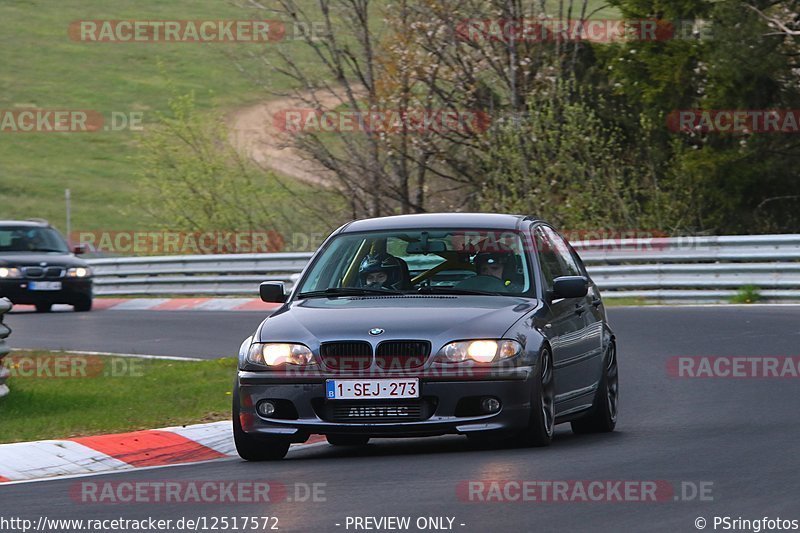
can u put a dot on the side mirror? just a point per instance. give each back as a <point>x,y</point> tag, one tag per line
<point>80,249</point>
<point>570,287</point>
<point>272,292</point>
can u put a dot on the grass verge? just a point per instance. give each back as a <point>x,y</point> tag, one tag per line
<point>626,302</point>
<point>61,395</point>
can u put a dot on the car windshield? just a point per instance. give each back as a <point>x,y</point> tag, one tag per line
<point>420,261</point>
<point>31,239</point>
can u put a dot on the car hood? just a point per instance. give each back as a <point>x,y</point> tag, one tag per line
<point>10,259</point>
<point>440,319</point>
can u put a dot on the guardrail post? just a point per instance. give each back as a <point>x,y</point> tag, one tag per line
<point>5,331</point>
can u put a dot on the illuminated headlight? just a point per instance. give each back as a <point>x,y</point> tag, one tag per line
<point>480,351</point>
<point>10,273</point>
<point>276,354</point>
<point>79,272</point>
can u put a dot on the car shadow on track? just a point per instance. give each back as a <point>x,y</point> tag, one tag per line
<point>563,440</point>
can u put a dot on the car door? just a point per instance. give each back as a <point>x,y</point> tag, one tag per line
<point>591,338</point>
<point>586,356</point>
<point>565,323</point>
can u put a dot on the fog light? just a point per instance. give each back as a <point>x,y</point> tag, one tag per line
<point>490,405</point>
<point>266,408</point>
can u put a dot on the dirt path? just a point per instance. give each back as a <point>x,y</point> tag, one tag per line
<point>254,131</point>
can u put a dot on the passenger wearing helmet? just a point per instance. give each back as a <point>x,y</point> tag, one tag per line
<point>500,265</point>
<point>382,271</point>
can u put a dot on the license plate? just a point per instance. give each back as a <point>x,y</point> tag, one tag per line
<point>372,389</point>
<point>44,285</point>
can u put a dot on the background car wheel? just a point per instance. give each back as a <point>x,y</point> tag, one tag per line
<point>603,417</point>
<point>82,306</point>
<point>542,422</point>
<point>43,308</point>
<point>347,440</point>
<point>252,448</point>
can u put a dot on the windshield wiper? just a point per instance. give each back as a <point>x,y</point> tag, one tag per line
<point>47,250</point>
<point>346,291</point>
<point>456,290</point>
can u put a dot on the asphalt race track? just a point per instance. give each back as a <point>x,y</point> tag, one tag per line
<point>201,334</point>
<point>738,437</point>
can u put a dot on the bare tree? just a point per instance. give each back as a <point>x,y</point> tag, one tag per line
<point>406,57</point>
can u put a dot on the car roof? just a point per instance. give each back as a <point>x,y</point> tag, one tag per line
<point>484,221</point>
<point>24,223</point>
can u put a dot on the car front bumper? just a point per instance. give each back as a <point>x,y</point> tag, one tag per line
<point>450,401</point>
<point>72,290</point>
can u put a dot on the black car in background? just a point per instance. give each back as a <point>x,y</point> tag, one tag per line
<point>38,268</point>
<point>484,325</point>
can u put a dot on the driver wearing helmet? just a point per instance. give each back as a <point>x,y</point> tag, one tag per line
<point>381,271</point>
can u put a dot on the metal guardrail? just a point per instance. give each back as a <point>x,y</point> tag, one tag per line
<point>5,331</point>
<point>695,268</point>
<point>221,275</point>
<point>682,268</point>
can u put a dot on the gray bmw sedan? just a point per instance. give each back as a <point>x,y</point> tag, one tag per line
<point>484,325</point>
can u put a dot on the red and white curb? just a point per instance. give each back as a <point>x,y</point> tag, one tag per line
<point>29,461</point>
<point>168,304</point>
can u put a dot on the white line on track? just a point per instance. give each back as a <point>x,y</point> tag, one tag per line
<point>110,354</point>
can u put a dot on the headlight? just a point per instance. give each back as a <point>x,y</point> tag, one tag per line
<point>480,351</point>
<point>79,272</point>
<point>10,273</point>
<point>276,354</point>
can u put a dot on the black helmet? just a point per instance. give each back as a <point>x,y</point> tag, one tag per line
<point>388,264</point>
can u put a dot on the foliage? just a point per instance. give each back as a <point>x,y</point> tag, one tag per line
<point>748,294</point>
<point>560,162</point>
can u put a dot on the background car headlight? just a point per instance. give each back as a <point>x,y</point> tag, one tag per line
<point>10,273</point>
<point>79,272</point>
<point>480,351</point>
<point>276,354</point>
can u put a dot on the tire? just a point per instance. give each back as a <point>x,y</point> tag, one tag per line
<point>43,307</point>
<point>603,416</point>
<point>540,428</point>
<point>347,440</point>
<point>252,448</point>
<point>83,305</point>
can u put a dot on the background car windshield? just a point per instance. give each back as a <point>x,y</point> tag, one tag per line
<point>408,261</point>
<point>30,239</point>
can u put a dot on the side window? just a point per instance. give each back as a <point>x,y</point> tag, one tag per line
<point>548,258</point>
<point>569,266</point>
